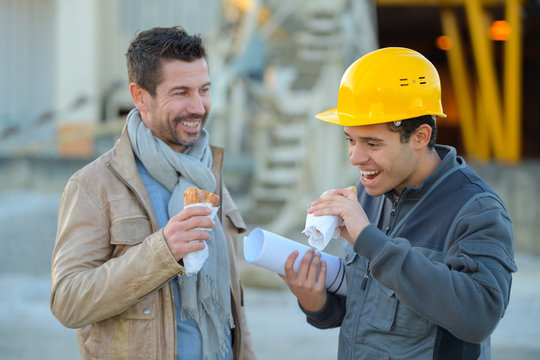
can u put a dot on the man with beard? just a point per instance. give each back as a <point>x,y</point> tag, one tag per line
<point>117,269</point>
<point>430,246</point>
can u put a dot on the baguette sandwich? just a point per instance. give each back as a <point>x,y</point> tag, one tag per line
<point>195,196</point>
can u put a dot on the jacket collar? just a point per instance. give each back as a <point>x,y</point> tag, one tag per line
<point>123,166</point>
<point>449,162</point>
<point>123,159</point>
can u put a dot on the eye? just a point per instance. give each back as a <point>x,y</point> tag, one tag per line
<point>205,90</point>
<point>350,140</point>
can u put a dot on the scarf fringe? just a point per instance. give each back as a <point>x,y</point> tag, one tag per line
<point>209,303</point>
<point>211,306</point>
<point>223,349</point>
<point>220,353</point>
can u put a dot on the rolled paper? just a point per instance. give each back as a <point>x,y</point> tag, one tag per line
<point>270,251</point>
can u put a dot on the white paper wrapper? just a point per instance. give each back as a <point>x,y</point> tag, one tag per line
<point>321,229</point>
<point>194,261</point>
<point>271,251</point>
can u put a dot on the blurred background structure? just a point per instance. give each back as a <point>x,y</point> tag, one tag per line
<point>274,64</point>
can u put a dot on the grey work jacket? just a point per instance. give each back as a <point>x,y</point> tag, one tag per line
<point>434,283</point>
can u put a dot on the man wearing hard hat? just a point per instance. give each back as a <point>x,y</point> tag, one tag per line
<point>429,258</point>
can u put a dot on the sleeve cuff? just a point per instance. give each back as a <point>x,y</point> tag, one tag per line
<point>370,242</point>
<point>158,243</point>
<point>323,313</point>
<point>330,315</point>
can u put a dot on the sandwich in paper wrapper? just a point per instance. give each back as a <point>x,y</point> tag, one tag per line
<point>322,229</point>
<point>194,261</point>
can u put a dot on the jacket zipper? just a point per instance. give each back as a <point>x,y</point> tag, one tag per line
<point>366,277</point>
<point>363,286</point>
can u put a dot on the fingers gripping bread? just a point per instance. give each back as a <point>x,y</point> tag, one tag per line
<point>330,192</point>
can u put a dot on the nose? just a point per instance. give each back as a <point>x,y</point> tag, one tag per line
<point>196,105</point>
<point>357,156</point>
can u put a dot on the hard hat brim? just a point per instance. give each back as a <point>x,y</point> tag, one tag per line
<point>330,116</point>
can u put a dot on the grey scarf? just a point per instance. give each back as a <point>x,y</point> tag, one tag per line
<point>205,295</point>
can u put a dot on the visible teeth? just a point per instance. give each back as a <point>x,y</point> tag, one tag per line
<point>366,175</point>
<point>190,123</point>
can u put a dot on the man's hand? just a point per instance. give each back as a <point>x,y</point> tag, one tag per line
<point>344,204</point>
<point>179,232</point>
<point>308,284</point>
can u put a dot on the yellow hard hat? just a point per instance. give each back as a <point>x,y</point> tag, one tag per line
<point>386,85</point>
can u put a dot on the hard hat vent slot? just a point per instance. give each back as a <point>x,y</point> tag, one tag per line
<point>404,82</point>
<point>422,79</point>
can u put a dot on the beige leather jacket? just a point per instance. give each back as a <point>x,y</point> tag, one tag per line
<point>111,267</point>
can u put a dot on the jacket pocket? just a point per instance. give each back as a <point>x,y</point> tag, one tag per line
<point>384,304</point>
<point>136,329</point>
<point>130,231</point>
<point>133,331</point>
<point>390,314</point>
<point>143,310</point>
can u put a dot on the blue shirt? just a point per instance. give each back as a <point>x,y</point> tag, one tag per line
<point>188,336</point>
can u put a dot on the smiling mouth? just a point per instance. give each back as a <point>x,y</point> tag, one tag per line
<point>190,124</point>
<point>369,175</point>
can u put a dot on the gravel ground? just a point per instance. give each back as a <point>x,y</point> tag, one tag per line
<point>29,331</point>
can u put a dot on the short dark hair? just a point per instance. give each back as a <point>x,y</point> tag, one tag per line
<point>151,47</point>
<point>408,126</point>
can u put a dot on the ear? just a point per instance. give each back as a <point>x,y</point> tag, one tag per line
<point>421,136</point>
<point>139,97</point>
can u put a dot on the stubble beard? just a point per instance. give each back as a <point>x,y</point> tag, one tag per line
<point>193,136</point>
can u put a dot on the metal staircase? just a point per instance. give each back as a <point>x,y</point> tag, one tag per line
<point>282,135</point>
<point>308,44</point>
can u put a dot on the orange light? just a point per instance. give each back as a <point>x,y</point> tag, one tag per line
<point>444,42</point>
<point>244,5</point>
<point>500,30</point>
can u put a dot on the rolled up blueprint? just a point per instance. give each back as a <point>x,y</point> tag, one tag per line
<point>270,251</point>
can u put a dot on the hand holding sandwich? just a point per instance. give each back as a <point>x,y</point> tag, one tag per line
<point>180,233</point>
<point>186,231</point>
<point>343,203</point>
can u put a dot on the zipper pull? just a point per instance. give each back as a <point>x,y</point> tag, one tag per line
<point>365,279</point>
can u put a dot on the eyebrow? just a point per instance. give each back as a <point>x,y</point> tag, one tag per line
<point>365,138</point>
<point>183,87</point>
